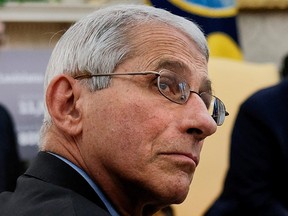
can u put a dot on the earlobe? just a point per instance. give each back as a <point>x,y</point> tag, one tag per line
<point>63,104</point>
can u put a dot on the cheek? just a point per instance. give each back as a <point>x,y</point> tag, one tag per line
<point>138,125</point>
<point>126,131</point>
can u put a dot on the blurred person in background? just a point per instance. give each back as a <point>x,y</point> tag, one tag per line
<point>284,68</point>
<point>10,166</point>
<point>128,106</point>
<point>256,182</point>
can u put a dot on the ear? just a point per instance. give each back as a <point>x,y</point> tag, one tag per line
<point>63,104</point>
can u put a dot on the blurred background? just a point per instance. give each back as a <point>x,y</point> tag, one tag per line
<point>248,40</point>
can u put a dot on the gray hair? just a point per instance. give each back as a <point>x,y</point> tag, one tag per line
<point>99,42</point>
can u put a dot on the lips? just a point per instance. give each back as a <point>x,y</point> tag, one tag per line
<point>183,154</point>
<point>194,158</point>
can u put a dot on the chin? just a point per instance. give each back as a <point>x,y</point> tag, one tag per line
<point>171,187</point>
<point>176,193</point>
<point>180,198</point>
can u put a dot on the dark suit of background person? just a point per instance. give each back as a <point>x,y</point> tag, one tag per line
<point>284,67</point>
<point>9,160</point>
<point>257,180</point>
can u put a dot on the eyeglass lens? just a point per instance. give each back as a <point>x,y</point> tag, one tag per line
<point>175,88</point>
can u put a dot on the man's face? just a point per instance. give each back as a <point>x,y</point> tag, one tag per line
<point>135,142</point>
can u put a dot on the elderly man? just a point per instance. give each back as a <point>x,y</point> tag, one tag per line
<point>128,106</point>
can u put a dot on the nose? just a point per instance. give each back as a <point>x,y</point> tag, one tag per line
<point>196,119</point>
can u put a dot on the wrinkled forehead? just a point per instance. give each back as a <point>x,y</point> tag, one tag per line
<point>161,33</point>
<point>158,42</point>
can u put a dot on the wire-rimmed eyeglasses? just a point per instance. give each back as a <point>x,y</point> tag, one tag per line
<point>174,87</point>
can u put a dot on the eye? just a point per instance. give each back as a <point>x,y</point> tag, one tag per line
<point>163,86</point>
<point>167,86</point>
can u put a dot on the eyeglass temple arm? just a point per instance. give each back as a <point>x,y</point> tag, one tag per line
<point>89,75</point>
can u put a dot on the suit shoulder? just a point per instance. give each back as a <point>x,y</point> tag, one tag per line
<point>35,197</point>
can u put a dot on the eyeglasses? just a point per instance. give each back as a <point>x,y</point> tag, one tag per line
<point>174,87</point>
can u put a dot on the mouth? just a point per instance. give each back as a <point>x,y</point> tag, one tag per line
<point>183,156</point>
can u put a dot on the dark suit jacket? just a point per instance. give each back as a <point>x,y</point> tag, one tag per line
<point>50,187</point>
<point>257,180</point>
<point>10,166</point>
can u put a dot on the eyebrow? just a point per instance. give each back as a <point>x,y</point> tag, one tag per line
<point>206,84</point>
<point>172,65</point>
